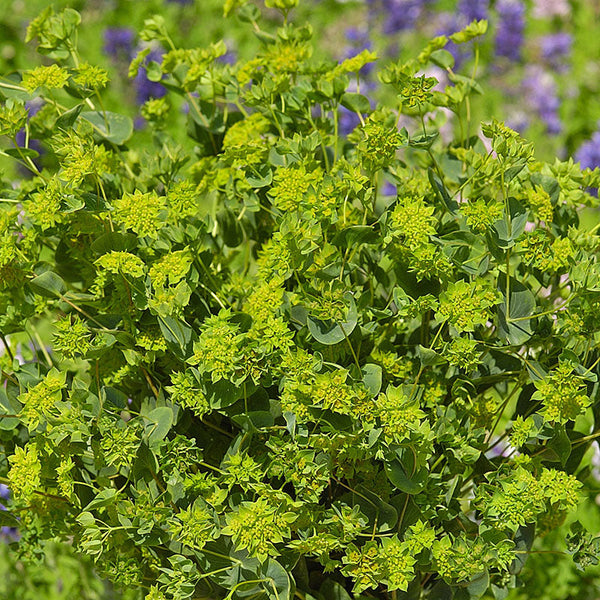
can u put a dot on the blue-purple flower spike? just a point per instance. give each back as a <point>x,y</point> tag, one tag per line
<point>118,43</point>
<point>510,28</point>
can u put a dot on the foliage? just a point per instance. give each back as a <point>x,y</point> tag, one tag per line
<point>267,358</point>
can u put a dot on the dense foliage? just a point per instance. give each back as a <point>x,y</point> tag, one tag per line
<point>268,358</point>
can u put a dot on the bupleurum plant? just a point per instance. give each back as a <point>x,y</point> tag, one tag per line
<point>272,360</point>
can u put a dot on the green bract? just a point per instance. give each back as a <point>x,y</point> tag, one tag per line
<point>256,371</point>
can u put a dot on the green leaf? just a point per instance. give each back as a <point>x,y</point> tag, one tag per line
<point>356,102</point>
<point>7,519</point>
<point>48,284</point>
<point>8,406</point>
<point>441,191</point>
<point>21,152</point>
<point>475,589</point>
<point>506,231</point>
<point>111,126</point>
<point>429,357</point>
<point>332,590</point>
<point>103,498</point>
<point>442,58</point>
<point>558,448</point>
<point>355,235</point>
<point>114,396</point>
<point>406,478</point>
<point>158,423</point>
<point>378,511</point>
<point>331,332</point>
<point>119,242</point>
<point>372,377</point>
<point>471,31</point>
<point>178,335</point>
<point>66,120</point>
<point>259,177</point>
<point>515,327</point>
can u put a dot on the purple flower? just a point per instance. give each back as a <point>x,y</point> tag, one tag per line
<point>518,120</point>
<point>6,533</point>
<point>398,15</point>
<point>541,95</point>
<point>118,43</point>
<point>446,24</point>
<point>589,152</point>
<point>509,31</point>
<point>348,122</point>
<point>473,10</point>
<point>144,88</point>
<point>555,48</point>
<point>359,41</point>
<point>389,189</point>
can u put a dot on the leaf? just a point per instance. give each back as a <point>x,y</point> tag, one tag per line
<point>114,396</point>
<point>119,242</point>
<point>158,423</point>
<point>21,152</point>
<point>332,590</point>
<point>372,376</point>
<point>8,519</point>
<point>355,102</point>
<point>558,448</point>
<point>48,284</point>
<point>442,192</point>
<point>69,117</point>
<point>103,498</point>
<point>475,589</point>
<point>8,406</point>
<point>404,478</point>
<point>113,127</point>
<point>423,141</point>
<point>355,235</point>
<point>515,327</point>
<point>505,232</point>
<point>442,58</point>
<point>278,585</point>
<point>331,332</point>
<point>523,542</point>
<point>429,357</point>
<point>259,177</point>
<point>178,335</point>
<point>378,511</point>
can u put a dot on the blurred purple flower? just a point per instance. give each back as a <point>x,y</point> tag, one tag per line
<point>447,23</point>
<point>359,41</point>
<point>118,43</point>
<point>541,94</point>
<point>144,88</point>
<point>510,28</point>
<point>389,189</point>
<point>473,10</point>
<point>6,533</point>
<point>589,152</point>
<point>518,120</point>
<point>348,121</point>
<point>398,15</point>
<point>555,48</point>
<point>32,106</point>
